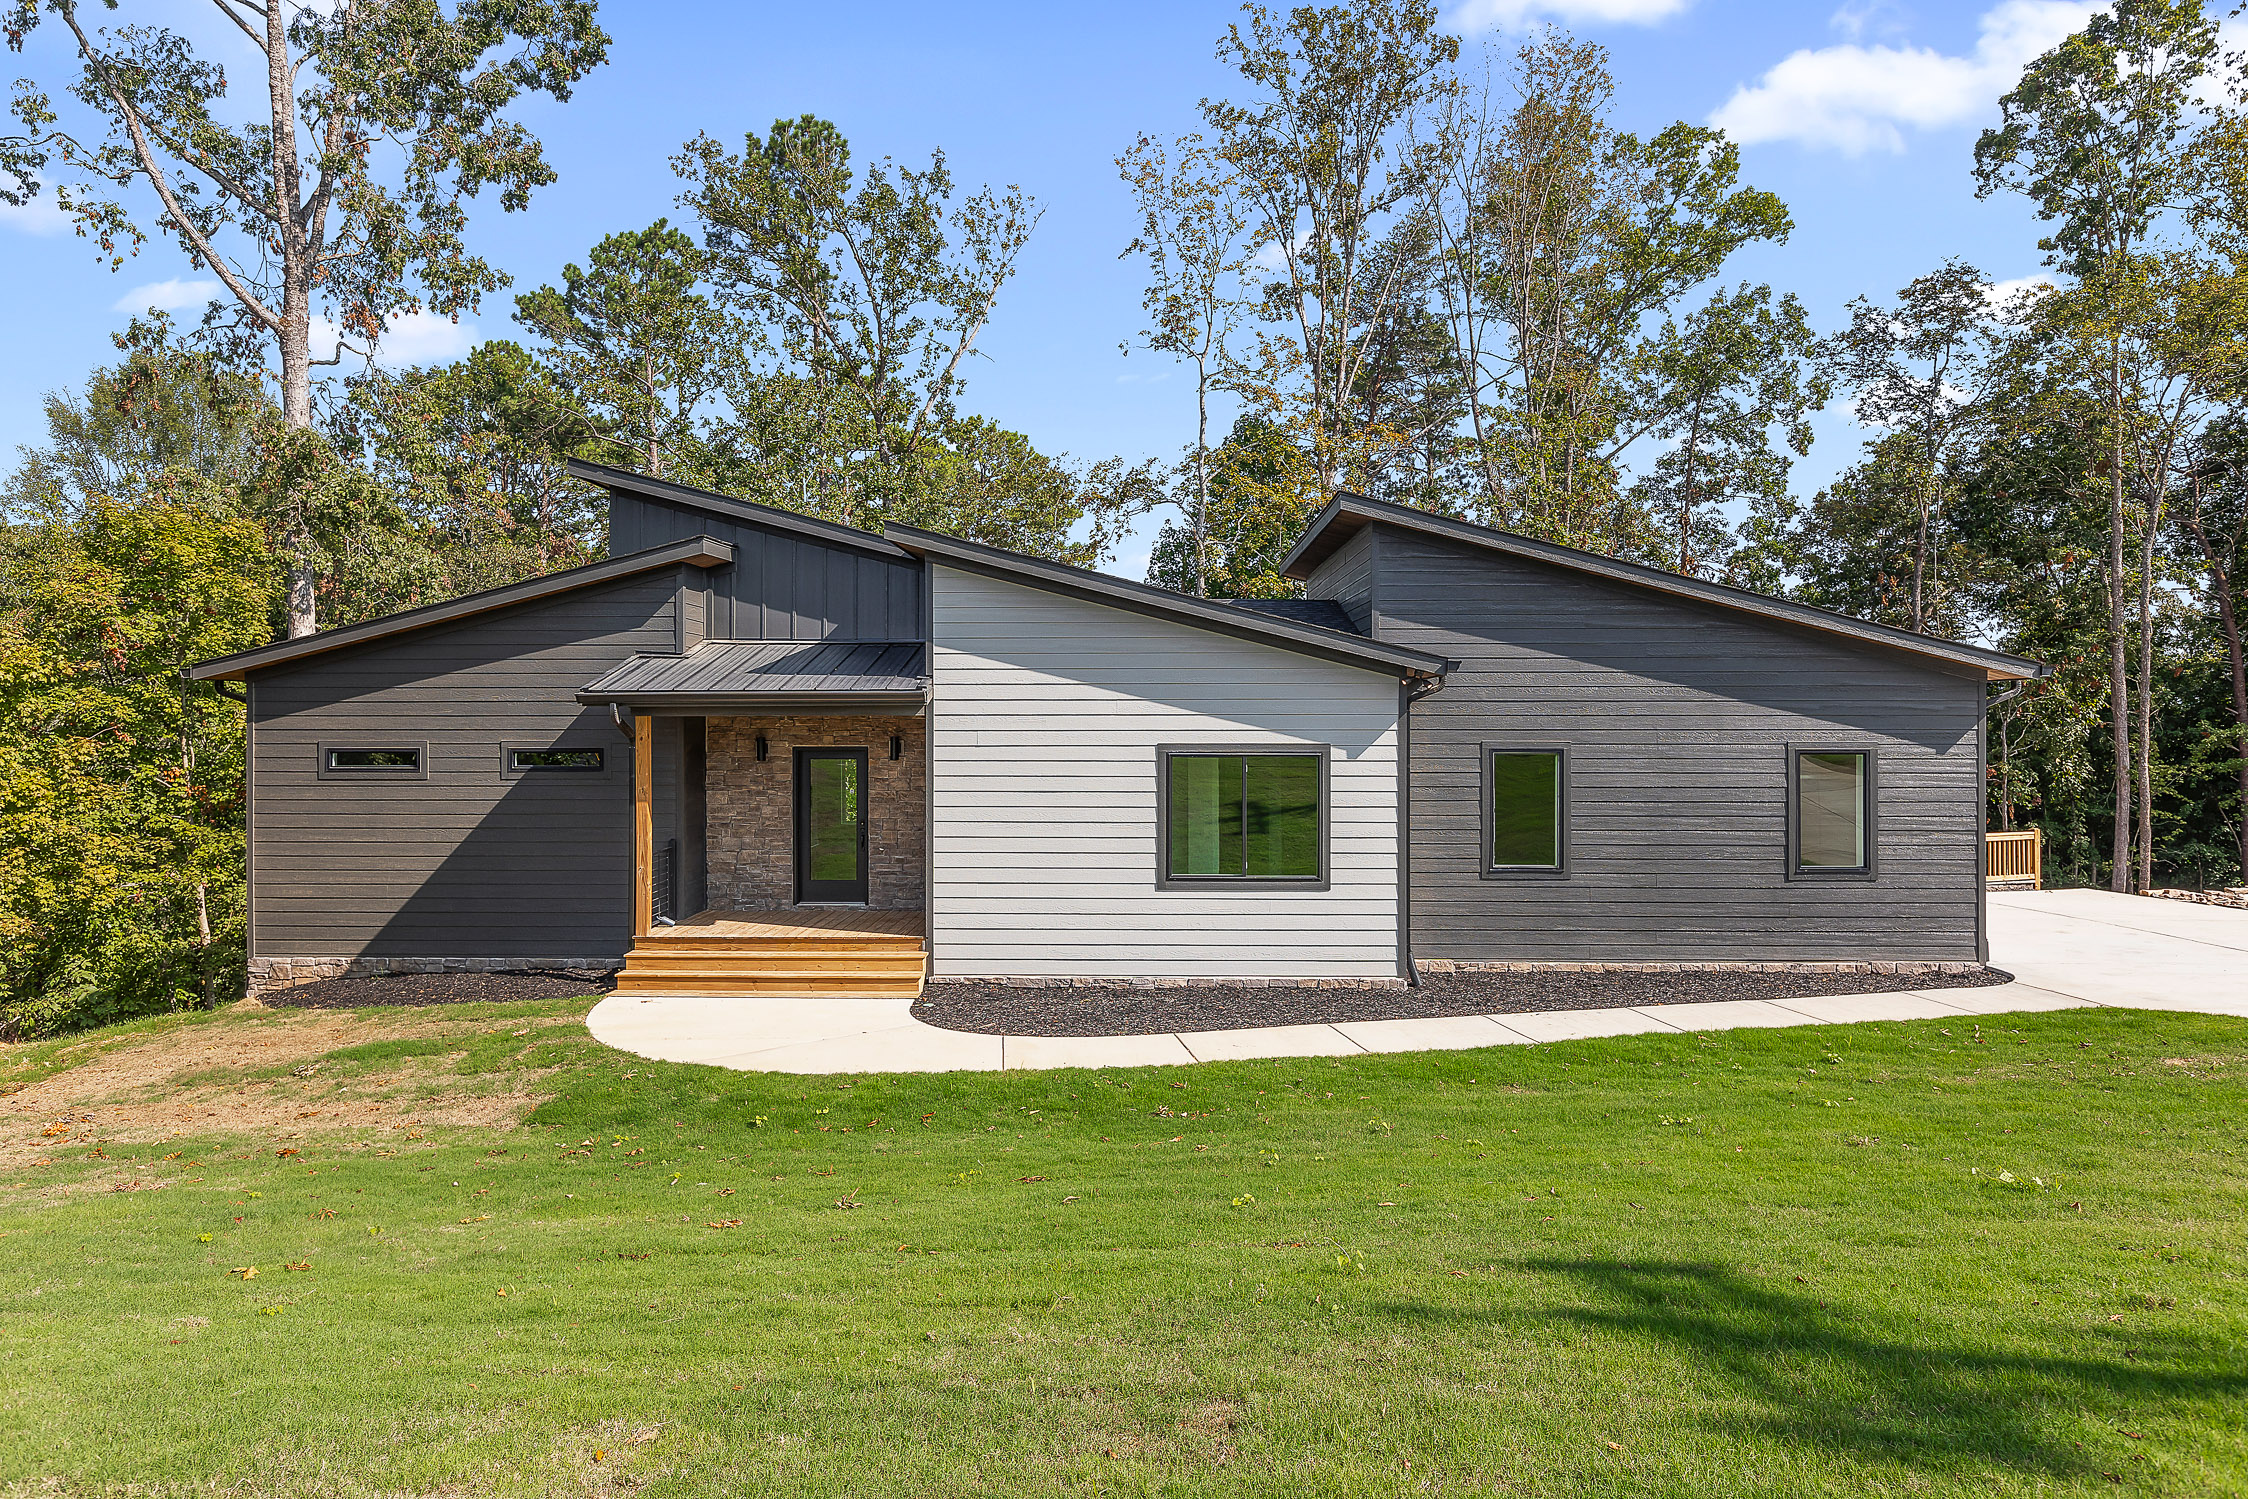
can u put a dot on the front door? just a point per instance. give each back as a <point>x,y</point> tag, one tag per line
<point>831,825</point>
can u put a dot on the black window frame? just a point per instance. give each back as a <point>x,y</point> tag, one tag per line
<point>1862,874</point>
<point>1485,809</point>
<point>326,750</point>
<point>510,771</point>
<point>1165,880</point>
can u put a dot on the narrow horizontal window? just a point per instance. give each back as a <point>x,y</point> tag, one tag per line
<point>408,760</point>
<point>1244,817</point>
<point>554,759</point>
<point>1524,812</point>
<point>1830,811</point>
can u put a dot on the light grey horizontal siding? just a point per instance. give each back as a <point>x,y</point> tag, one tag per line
<point>1046,715</point>
<point>1676,718</point>
<point>468,863</point>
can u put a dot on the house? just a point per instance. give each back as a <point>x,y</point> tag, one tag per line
<point>753,751</point>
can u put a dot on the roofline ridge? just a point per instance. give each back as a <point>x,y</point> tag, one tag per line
<point>730,506</point>
<point>701,551</point>
<point>1639,574</point>
<point>1206,612</point>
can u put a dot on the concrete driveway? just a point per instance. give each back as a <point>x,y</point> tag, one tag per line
<point>2066,949</point>
<point>2123,949</point>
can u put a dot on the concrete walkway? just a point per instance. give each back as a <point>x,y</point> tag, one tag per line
<point>2066,948</point>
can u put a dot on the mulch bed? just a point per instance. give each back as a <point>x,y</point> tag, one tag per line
<point>438,989</point>
<point>1006,1010</point>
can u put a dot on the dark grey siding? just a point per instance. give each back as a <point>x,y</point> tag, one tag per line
<point>468,863</point>
<point>666,798</point>
<point>781,586</point>
<point>1347,578</point>
<point>1676,719</point>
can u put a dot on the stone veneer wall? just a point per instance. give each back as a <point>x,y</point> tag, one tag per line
<point>751,817</point>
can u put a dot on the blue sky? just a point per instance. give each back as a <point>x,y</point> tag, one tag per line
<point>1861,118</point>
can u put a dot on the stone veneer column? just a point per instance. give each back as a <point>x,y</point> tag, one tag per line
<point>751,808</point>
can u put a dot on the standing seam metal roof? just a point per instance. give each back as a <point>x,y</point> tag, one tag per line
<point>729,667</point>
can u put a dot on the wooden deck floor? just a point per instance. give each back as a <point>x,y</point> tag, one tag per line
<point>841,923</point>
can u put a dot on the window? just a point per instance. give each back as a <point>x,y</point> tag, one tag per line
<point>399,760</point>
<point>1246,815</point>
<point>520,758</point>
<point>1832,811</point>
<point>1522,811</point>
<point>554,759</point>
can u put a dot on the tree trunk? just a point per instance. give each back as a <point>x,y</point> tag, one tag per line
<point>1201,479</point>
<point>294,336</point>
<point>2231,619</point>
<point>2145,747</point>
<point>2228,620</point>
<point>1920,551</point>
<point>2119,701</point>
<point>2006,774</point>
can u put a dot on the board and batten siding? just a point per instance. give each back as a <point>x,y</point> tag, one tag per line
<point>781,585</point>
<point>1046,716</point>
<point>469,862</point>
<point>1676,719</point>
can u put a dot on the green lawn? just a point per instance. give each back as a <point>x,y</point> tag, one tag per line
<point>1883,1259</point>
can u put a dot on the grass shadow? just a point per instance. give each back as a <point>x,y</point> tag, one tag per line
<point>1871,1386</point>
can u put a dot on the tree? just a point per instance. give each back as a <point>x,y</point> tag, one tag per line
<point>2166,332</point>
<point>1261,495</point>
<point>1193,233</point>
<point>475,453</point>
<point>301,207</point>
<point>126,554</point>
<point>1727,376</point>
<point>2094,135</point>
<point>1325,157</point>
<point>1867,545</point>
<point>1923,369</point>
<point>632,346</point>
<point>2026,511</point>
<point>2213,517</point>
<point>859,298</point>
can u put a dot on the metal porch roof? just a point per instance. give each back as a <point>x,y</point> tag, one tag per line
<point>755,672</point>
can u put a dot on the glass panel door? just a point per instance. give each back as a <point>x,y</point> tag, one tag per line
<point>831,825</point>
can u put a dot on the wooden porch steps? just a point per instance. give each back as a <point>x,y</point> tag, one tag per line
<point>840,952</point>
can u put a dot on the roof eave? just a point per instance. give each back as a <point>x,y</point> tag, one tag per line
<point>1357,511</point>
<point>1301,562</point>
<point>696,551</point>
<point>904,704</point>
<point>1037,572</point>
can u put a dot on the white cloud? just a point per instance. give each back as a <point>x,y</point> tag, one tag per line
<point>2002,292</point>
<point>168,296</point>
<point>1510,15</point>
<point>40,216</point>
<point>414,338</point>
<point>1856,99</point>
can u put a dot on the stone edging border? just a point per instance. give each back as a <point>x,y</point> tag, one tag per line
<point>269,974</point>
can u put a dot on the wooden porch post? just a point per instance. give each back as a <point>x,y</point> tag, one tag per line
<point>643,827</point>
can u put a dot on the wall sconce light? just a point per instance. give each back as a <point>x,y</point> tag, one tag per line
<point>761,746</point>
<point>897,745</point>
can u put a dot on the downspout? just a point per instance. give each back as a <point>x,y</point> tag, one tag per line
<point>1410,690</point>
<point>1406,970</point>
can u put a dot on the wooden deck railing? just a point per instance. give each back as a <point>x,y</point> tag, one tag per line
<point>2015,857</point>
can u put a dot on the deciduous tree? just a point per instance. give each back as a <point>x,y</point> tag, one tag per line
<point>344,194</point>
<point>2095,135</point>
